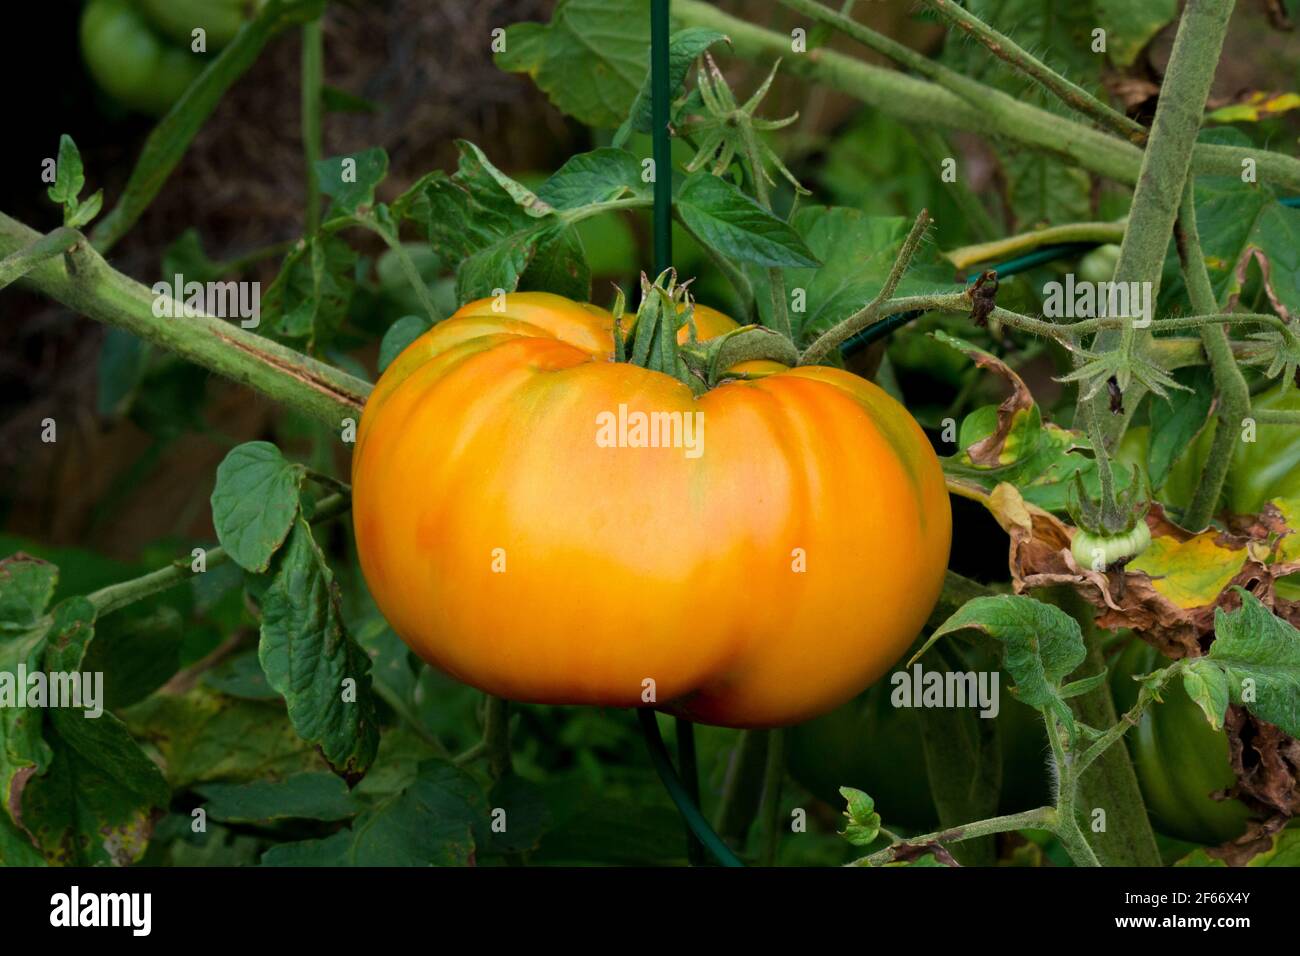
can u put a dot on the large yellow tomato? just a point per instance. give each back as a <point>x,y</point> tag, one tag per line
<point>756,579</point>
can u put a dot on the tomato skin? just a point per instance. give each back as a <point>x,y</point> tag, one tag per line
<point>130,62</point>
<point>627,564</point>
<point>876,747</point>
<point>1180,760</point>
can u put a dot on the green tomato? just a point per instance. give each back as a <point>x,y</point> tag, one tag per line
<point>1260,471</point>
<point>220,19</point>
<point>876,747</point>
<point>129,61</point>
<point>1179,758</point>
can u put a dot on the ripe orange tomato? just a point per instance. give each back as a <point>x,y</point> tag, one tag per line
<point>760,582</point>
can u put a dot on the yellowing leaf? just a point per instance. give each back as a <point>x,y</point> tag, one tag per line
<point>1190,573</point>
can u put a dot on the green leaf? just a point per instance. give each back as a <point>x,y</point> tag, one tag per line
<point>335,100</point>
<point>589,60</point>
<point>23,750</point>
<point>1260,656</point>
<point>1283,850</point>
<point>856,253</point>
<point>732,223</point>
<point>526,817</point>
<point>1043,190</point>
<point>310,658</point>
<point>684,47</point>
<point>1176,422</point>
<point>85,211</point>
<point>1042,645</point>
<point>123,359</point>
<point>1130,25</point>
<point>1207,685</point>
<point>303,796</point>
<point>16,847</point>
<point>186,257</point>
<point>26,586</point>
<point>203,736</point>
<point>429,823</point>
<point>69,176</point>
<point>240,676</point>
<point>351,180</point>
<point>594,177</point>
<point>398,336</point>
<point>93,804</point>
<point>559,265</point>
<point>254,503</point>
<point>864,823</point>
<point>309,298</point>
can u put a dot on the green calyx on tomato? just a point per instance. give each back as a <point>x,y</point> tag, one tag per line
<point>1109,537</point>
<point>871,745</point>
<point>132,63</point>
<point>1179,758</point>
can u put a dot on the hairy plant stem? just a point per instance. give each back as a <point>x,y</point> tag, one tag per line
<point>116,596</point>
<point>1071,94</point>
<point>1099,232</point>
<point>1234,393</point>
<point>94,289</point>
<point>1166,164</point>
<point>877,308</point>
<point>17,264</point>
<point>1043,818</point>
<point>910,99</point>
<point>313,52</point>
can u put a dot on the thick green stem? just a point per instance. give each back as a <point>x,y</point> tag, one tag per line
<point>1111,783</point>
<point>99,292</point>
<point>742,787</point>
<point>1234,393</point>
<point>1165,167</point>
<point>1099,232</point>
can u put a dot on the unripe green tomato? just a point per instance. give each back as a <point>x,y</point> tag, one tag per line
<point>1179,758</point>
<point>1099,551</point>
<point>1099,265</point>
<point>876,747</point>
<point>129,61</point>
<point>177,19</point>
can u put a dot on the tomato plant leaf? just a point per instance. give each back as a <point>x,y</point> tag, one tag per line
<point>1041,645</point>
<point>559,265</point>
<point>684,47</point>
<point>1042,191</point>
<point>1130,25</point>
<point>309,299</point>
<point>309,657</point>
<point>69,176</point>
<point>864,823</point>
<point>26,586</point>
<point>204,736</point>
<point>351,180</point>
<point>302,796</point>
<point>735,225</point>
<point>1177,420</point>
<point>255,502</point>
<point>1207,685</point>
<point>856,253</point>
<point>1260,656</point>
<point>399,335</point>
<point>594,177</point>
<point>589,60</point>
<point>429,823</point>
